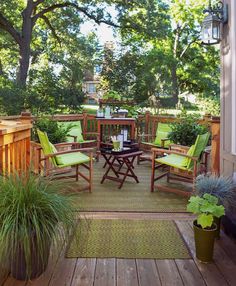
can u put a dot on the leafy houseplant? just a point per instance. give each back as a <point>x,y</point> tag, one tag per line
<point>218,186</point>
<point>33,213</point>
<point>186,130</point>
<point>206,208</point>
<point>56,133</point>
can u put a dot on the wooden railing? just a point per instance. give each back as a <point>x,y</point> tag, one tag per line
<point>14,146</point>
<point>146,123</point>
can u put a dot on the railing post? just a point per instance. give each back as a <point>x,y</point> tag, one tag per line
<point>26,117</point>
<point>147,119</point>
<point>215,146</point>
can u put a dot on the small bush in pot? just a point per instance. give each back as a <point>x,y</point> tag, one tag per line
<point>56,132</point>
<point>186,130</point>
<point>34,213</point>
<point>218,186</point>
<point>206,208</point>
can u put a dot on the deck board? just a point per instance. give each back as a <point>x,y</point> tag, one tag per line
<point>168,273</point>
<point>84,272</point>
<point>189,272</point>
<point>63,272</point>
<point>126,272</point>
<point>147,272</point>
<point>105,273</point>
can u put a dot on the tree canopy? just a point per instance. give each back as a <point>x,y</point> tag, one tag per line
<point>44,55</point>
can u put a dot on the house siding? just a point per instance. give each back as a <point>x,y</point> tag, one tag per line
<point>227,158</point>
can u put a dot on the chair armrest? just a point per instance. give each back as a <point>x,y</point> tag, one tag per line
<point>68,152</point>
<point>179,146</point>
<point>145,135</point>
<point>94,134</point>
<point>74,136</point>
<point>90,133</point>
<point>169,152</point>
<point>66,144</point>
<point>165,139</point>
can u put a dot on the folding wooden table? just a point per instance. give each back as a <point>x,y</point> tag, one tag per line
<point>121,164</point>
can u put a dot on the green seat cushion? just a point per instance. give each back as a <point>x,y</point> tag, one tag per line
<point>71,159</point>
<point>173,160</point>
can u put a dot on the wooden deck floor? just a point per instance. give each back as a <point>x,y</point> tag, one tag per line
<point>142,272</point>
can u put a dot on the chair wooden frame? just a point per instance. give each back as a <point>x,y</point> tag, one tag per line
<point>180,175</point>
<point>48,169</point>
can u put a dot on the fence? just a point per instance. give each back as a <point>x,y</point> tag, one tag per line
<point>146,123</point>
<point>14,146</point>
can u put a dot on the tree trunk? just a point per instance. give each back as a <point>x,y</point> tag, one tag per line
<point>175,88</point>
<point>24,46</point>
<point>23,63</point>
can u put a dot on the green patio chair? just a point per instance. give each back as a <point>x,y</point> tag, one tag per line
<point>76,133</point>
<point>160,140</point>
<point>56,160</point>
<point>161,137</point>
<point>181,166</point>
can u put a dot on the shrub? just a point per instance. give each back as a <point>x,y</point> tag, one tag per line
<point>55,132</point>
<point>209,105</point>
<point>186,131</point>
<point>112,94</point>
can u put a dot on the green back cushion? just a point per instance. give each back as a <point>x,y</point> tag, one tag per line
<point>196,149</point>
<point>47,146</point>
<point>187,161</point>
<point>76,130</point>
<point>163,129</point>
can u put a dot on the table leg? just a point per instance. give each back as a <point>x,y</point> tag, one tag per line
<point>110,164</point>
<point>129,169</point>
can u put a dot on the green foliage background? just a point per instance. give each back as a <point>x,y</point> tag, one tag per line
<point>159,54</point>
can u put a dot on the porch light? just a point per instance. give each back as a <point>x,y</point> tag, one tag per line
<point>213,22</point>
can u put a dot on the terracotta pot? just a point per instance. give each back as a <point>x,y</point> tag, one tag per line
<point>38,262</point>
<point>204,242</point>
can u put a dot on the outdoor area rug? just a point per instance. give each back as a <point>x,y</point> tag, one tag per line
<point>156,239</point>
<point>132,197</point>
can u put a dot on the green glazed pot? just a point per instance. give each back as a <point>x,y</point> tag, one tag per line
<point>204,242</point>
<point>217,221</point>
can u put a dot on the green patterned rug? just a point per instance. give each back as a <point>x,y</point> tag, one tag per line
<point>132,197</point>
<point>154,239</point>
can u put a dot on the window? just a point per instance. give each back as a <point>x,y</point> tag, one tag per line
<point>91,88</point>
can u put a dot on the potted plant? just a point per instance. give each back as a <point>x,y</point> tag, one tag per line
<point>218,186</point>
<point>206,208</point>
<point>185,131</point>
<point>34,214</point>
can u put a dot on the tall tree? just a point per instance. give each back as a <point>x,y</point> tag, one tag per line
<point>30,12</point>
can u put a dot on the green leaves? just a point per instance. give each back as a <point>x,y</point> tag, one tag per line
<point>32,204</point>
<point>206,208</point>
<point>205,220</point>
<point>185,132</point>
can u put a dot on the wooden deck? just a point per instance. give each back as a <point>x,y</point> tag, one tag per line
<point>142,272</point>
<point>63,271</point>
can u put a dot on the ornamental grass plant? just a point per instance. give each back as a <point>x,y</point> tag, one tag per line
<point>219,186</point>
<point>34,214</point>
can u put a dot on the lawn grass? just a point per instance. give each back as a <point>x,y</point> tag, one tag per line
<point>92,109</point>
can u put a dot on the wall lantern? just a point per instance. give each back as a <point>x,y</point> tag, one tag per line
<point>213,22</point>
